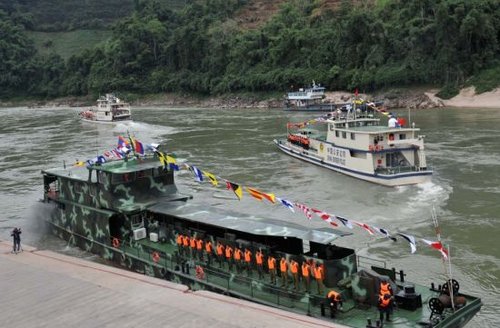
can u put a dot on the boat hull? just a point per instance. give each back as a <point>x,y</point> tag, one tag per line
<point>382,179</point>
<point>106,122</point>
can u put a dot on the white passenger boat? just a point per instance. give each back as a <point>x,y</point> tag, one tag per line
<point>109,109</point>
<point>356,144</point>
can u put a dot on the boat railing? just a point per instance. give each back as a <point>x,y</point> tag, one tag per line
<point>239,283</point>
<point>368,262</point>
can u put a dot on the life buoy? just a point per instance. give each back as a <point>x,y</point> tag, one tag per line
<point>391,136</point>
<point>200,274</point>
<point>116,242</point>
<point>156,257</point>
<point>377,147</point>
<point>370,147</point>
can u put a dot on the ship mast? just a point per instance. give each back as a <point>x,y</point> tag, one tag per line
<point>447,273</point>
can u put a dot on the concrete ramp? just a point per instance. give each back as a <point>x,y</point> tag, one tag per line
<point>48,289</point>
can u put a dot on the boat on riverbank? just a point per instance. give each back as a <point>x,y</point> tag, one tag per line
<point>109,109</point>
<point>312,99</point>
<point>356,144</point>
<point>130,212</point>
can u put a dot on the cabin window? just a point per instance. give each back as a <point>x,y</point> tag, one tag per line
<point>143,174</point>
<point>103,178</point>
<point>344,135</point>
<point>337,133</point>
<point>402,136</point>
<point>353,136</point>
<point>123,178</point>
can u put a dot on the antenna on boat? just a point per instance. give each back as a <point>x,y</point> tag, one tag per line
<point>448,273</point>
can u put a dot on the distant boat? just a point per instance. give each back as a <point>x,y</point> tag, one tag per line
<point>355,144</point>
<point>310,99</point>
<point>109,109</point>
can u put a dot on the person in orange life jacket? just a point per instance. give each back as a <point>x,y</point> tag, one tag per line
<point>385,304</point>
<point>306,276</point>
<point>319,275</point>
<point>192,244</point>
<point>271,264</point>
<point>229,257</point>
<point>248,261</point>
<point>199,248</point>
<point>209,250</point>
<point>180,239</point>
<point>284,272</point>
<point>259,260</point>
<point>294,268</point>
<point>237,259</point>
<point>220,253</point>
<point>334,300</point>
<point>185,245</point>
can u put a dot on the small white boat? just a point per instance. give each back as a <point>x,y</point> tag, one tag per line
<point>110,109</point>
<point>356,144</point>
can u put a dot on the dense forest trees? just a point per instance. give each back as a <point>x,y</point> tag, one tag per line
<point>201,49</point>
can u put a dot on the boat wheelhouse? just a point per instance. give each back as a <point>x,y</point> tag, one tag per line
<point>356,144</point>
<point>130,212</point>
<point>109,109</point>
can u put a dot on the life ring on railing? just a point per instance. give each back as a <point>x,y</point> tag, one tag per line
<point>200,274</point>
<point>156,257</point>
<point>370,147</point>
<point>391,137</point>
<point>116,242</point>
<point>377,147</point>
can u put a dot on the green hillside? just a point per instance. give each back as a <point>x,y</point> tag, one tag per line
<point>67,44</point>
<point>208,47</point>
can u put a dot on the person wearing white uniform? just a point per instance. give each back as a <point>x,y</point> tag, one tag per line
<point>393,122</point>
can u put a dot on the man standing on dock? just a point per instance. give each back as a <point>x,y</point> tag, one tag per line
<point>16,236</point>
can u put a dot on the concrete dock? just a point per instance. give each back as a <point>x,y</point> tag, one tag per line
<point>47,289</point>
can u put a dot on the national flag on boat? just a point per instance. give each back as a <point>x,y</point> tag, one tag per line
<point>261,195</point>
<point>437,245</point>
<point>235,188</point>
<point>411,240</point>
<point>286,203</point>
<point>122,143</point>
<point>118,153</point>
<point>138,146</point>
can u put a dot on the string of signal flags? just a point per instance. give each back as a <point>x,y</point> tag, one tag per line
<point>130,145</point>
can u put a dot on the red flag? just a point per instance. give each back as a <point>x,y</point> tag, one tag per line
<point>364,226</point>
<point>437,245</point>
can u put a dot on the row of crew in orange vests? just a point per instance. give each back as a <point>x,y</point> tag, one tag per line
<point>228,253</point>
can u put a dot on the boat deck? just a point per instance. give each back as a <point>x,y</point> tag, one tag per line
<point>248,285</point>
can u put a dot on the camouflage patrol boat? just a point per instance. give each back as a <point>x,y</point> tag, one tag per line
<point>130,212</point>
